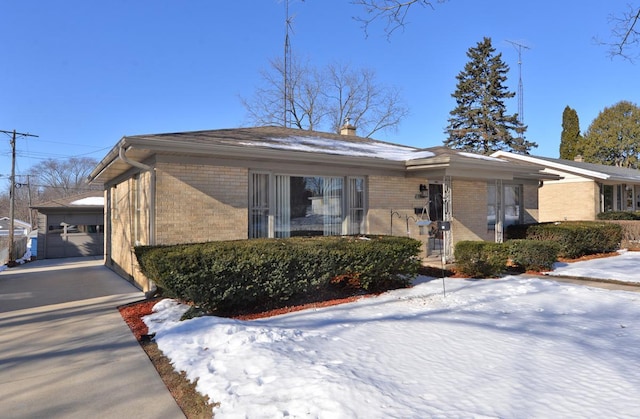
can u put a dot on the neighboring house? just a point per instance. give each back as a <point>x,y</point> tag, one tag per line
<point>277,182</point>
<point>584,190</point>
<point>21,231</point>
<point>71,227</point>
<point>20,228</point>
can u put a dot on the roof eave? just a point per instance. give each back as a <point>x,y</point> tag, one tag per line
<point>554,165</point>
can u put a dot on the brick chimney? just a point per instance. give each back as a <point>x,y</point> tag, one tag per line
<point>347,128</point>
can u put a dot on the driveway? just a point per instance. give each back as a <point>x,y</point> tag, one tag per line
<point>65,351</point>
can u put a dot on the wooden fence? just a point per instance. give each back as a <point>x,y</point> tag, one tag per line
<point>19,248</point>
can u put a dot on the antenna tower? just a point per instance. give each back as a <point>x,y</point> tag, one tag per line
<point>287,67</point>
<point>519,47</point>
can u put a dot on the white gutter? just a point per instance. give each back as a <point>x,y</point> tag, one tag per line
<point>124,158</point>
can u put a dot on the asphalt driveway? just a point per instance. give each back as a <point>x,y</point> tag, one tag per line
<point>65,351</point>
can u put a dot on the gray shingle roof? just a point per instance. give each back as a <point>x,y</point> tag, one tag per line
<point>618,173</point>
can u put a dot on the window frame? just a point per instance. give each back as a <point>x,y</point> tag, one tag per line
<point>499,204</point>
<point>269,211</point>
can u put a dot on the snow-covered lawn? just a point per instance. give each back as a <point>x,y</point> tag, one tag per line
<point>624,267</point>
<point>510,348</point>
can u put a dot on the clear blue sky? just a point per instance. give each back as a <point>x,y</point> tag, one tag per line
<point>81,74</point>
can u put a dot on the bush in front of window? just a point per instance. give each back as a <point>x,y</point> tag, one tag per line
<point>480,259</point>
<point>246,276</point>
<point>579,238</point>
<point>533,255</point>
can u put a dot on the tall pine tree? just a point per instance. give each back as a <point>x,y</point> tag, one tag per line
<point>480,122</point>
<point>571,139</point>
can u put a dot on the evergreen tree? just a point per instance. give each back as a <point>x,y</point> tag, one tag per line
<point>571,139</point>
<point>480,122</point>
<point>613,138</point>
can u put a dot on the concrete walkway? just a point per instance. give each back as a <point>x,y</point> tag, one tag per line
<point>65,351</point>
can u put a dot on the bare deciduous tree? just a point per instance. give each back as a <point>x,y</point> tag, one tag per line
<point>625,33</point>
<point>393,12</point>
<point>49,179</point>
<point>61,178</point>
<point>323,99</point>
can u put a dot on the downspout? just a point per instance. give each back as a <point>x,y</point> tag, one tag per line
<point>152,193</point>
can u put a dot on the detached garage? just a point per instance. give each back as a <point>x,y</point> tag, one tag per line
<point>71,227</point>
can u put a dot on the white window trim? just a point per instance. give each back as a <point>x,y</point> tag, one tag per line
<point>271,185</point>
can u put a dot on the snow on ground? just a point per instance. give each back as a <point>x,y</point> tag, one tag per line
<point>623,267</point>
<point>509,348</point>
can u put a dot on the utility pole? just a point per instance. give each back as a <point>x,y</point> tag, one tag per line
<point>29,193</point>
<point>12,189</point>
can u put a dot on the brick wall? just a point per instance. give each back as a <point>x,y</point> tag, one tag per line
<point>119,256</point>
<point>397,194</point>
<point>393,193</point>
<point>571,201</point>
<point>469,208</point>
<point>196,203</point>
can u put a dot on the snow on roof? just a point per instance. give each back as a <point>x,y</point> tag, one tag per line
<point>480,156</point>
<point>89,201</point>
<point>345,148</point>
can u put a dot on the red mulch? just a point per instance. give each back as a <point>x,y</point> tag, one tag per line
<point>133,314</point>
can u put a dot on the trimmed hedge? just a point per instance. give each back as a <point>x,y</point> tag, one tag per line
<point>480,259</point>
<point>267,273</point>
<point>578,238</point>
<point>619,215</point>
<point>533,255</point>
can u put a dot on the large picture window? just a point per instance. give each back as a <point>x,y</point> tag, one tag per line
<point>286,206</point>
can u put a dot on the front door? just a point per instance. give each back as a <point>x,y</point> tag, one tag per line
<point>436,213</point>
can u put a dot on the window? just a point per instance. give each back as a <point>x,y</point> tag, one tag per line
<point>259,205</point>
<point>285,206</point>
<point>510,200</point>
<point>64,228</point>
<point>512,211</point>
<point>136,190</point>
<point>356,205</point>
<point>606,198</point>
<point>628,198</point>
<point>491,206</point>
<point>114,202</point>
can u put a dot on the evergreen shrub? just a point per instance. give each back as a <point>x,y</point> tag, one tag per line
<point>247,275</point>
<point>578,238</point>
<point>533,255</point>
<point>480,259</point>
<point>619,215</point>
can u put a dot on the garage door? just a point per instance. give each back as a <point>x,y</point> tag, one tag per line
<point>73,236</point>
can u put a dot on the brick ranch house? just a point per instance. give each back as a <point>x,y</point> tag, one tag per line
<point>584,189</point>
<point>277,182</point>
